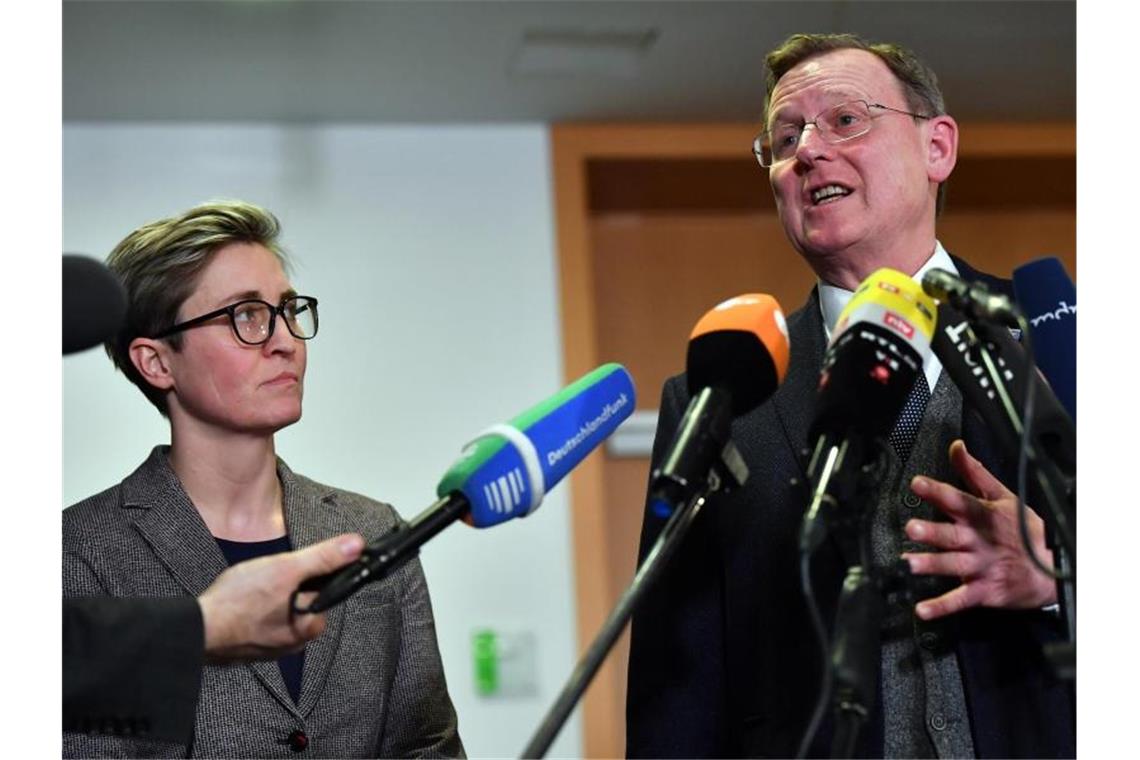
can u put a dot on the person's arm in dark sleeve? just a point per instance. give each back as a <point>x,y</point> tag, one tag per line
<point>132,666</point>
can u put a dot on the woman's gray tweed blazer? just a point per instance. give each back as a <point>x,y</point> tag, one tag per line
<point>373,684</point>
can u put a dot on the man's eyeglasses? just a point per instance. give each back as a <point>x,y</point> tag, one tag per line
<point>253,320</point>
<point>845,121</point>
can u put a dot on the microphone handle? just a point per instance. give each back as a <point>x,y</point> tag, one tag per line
<point>381,557</point>
<point>670,538</point>
<point>697,446</point>
<point>835,468</point>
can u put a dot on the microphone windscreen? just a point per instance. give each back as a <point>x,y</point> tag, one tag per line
<point>890,298</point>
<point>94,303</point>
<point>740,346</point>
<point>876,354</point>
<point>1048,299</point>
<point>506,471</point>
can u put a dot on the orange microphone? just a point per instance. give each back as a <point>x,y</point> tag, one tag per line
<point>737,357</point>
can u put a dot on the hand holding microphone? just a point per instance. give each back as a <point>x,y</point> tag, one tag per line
<point>244,611</point>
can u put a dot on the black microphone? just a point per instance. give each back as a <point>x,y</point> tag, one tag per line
<point>738,355</point>
<point>990,368</point>
<point>94,303</point>
<point>971,298</point>
<point>875,357</point>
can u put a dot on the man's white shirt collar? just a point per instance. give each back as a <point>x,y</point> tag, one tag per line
<point>833,299</point>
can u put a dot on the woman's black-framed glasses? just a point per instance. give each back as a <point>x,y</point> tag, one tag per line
<point>253,320</point>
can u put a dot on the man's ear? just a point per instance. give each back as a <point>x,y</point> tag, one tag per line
<point>942,147</point>
<point>152,360</point>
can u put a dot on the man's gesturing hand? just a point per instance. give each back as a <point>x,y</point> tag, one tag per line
<point>981,546</point>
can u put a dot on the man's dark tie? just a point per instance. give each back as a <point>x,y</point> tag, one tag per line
<point>906,429</point>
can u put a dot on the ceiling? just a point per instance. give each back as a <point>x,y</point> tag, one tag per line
<point>478,61</point>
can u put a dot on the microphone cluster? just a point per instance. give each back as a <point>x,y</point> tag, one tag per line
<point>737,356</point>
<point>997,376</point>
<point>878,349</point>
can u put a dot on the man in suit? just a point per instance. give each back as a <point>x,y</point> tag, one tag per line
<point>723,659</point>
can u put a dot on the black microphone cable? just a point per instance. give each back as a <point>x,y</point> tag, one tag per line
<point>869,472</point>
<point>1023,455</point>
<point>824,653</point>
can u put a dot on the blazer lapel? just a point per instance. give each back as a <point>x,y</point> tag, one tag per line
<point>795,398</point>
<point>171,525</point>
<point>311,516</point>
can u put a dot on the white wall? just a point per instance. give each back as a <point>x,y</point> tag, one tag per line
<point>432,252</point>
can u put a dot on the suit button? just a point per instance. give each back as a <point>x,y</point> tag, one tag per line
<point>298,741</point>
<point>938,722</point>
<point>928,640</point>
<point>911,499</point>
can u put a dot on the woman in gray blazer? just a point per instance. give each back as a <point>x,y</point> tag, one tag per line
<point>203,342</point>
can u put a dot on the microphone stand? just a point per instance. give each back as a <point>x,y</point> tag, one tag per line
<point>838,510</point>
<point>855,648</point>
<point>855,657</point>
<point>727,473</point>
